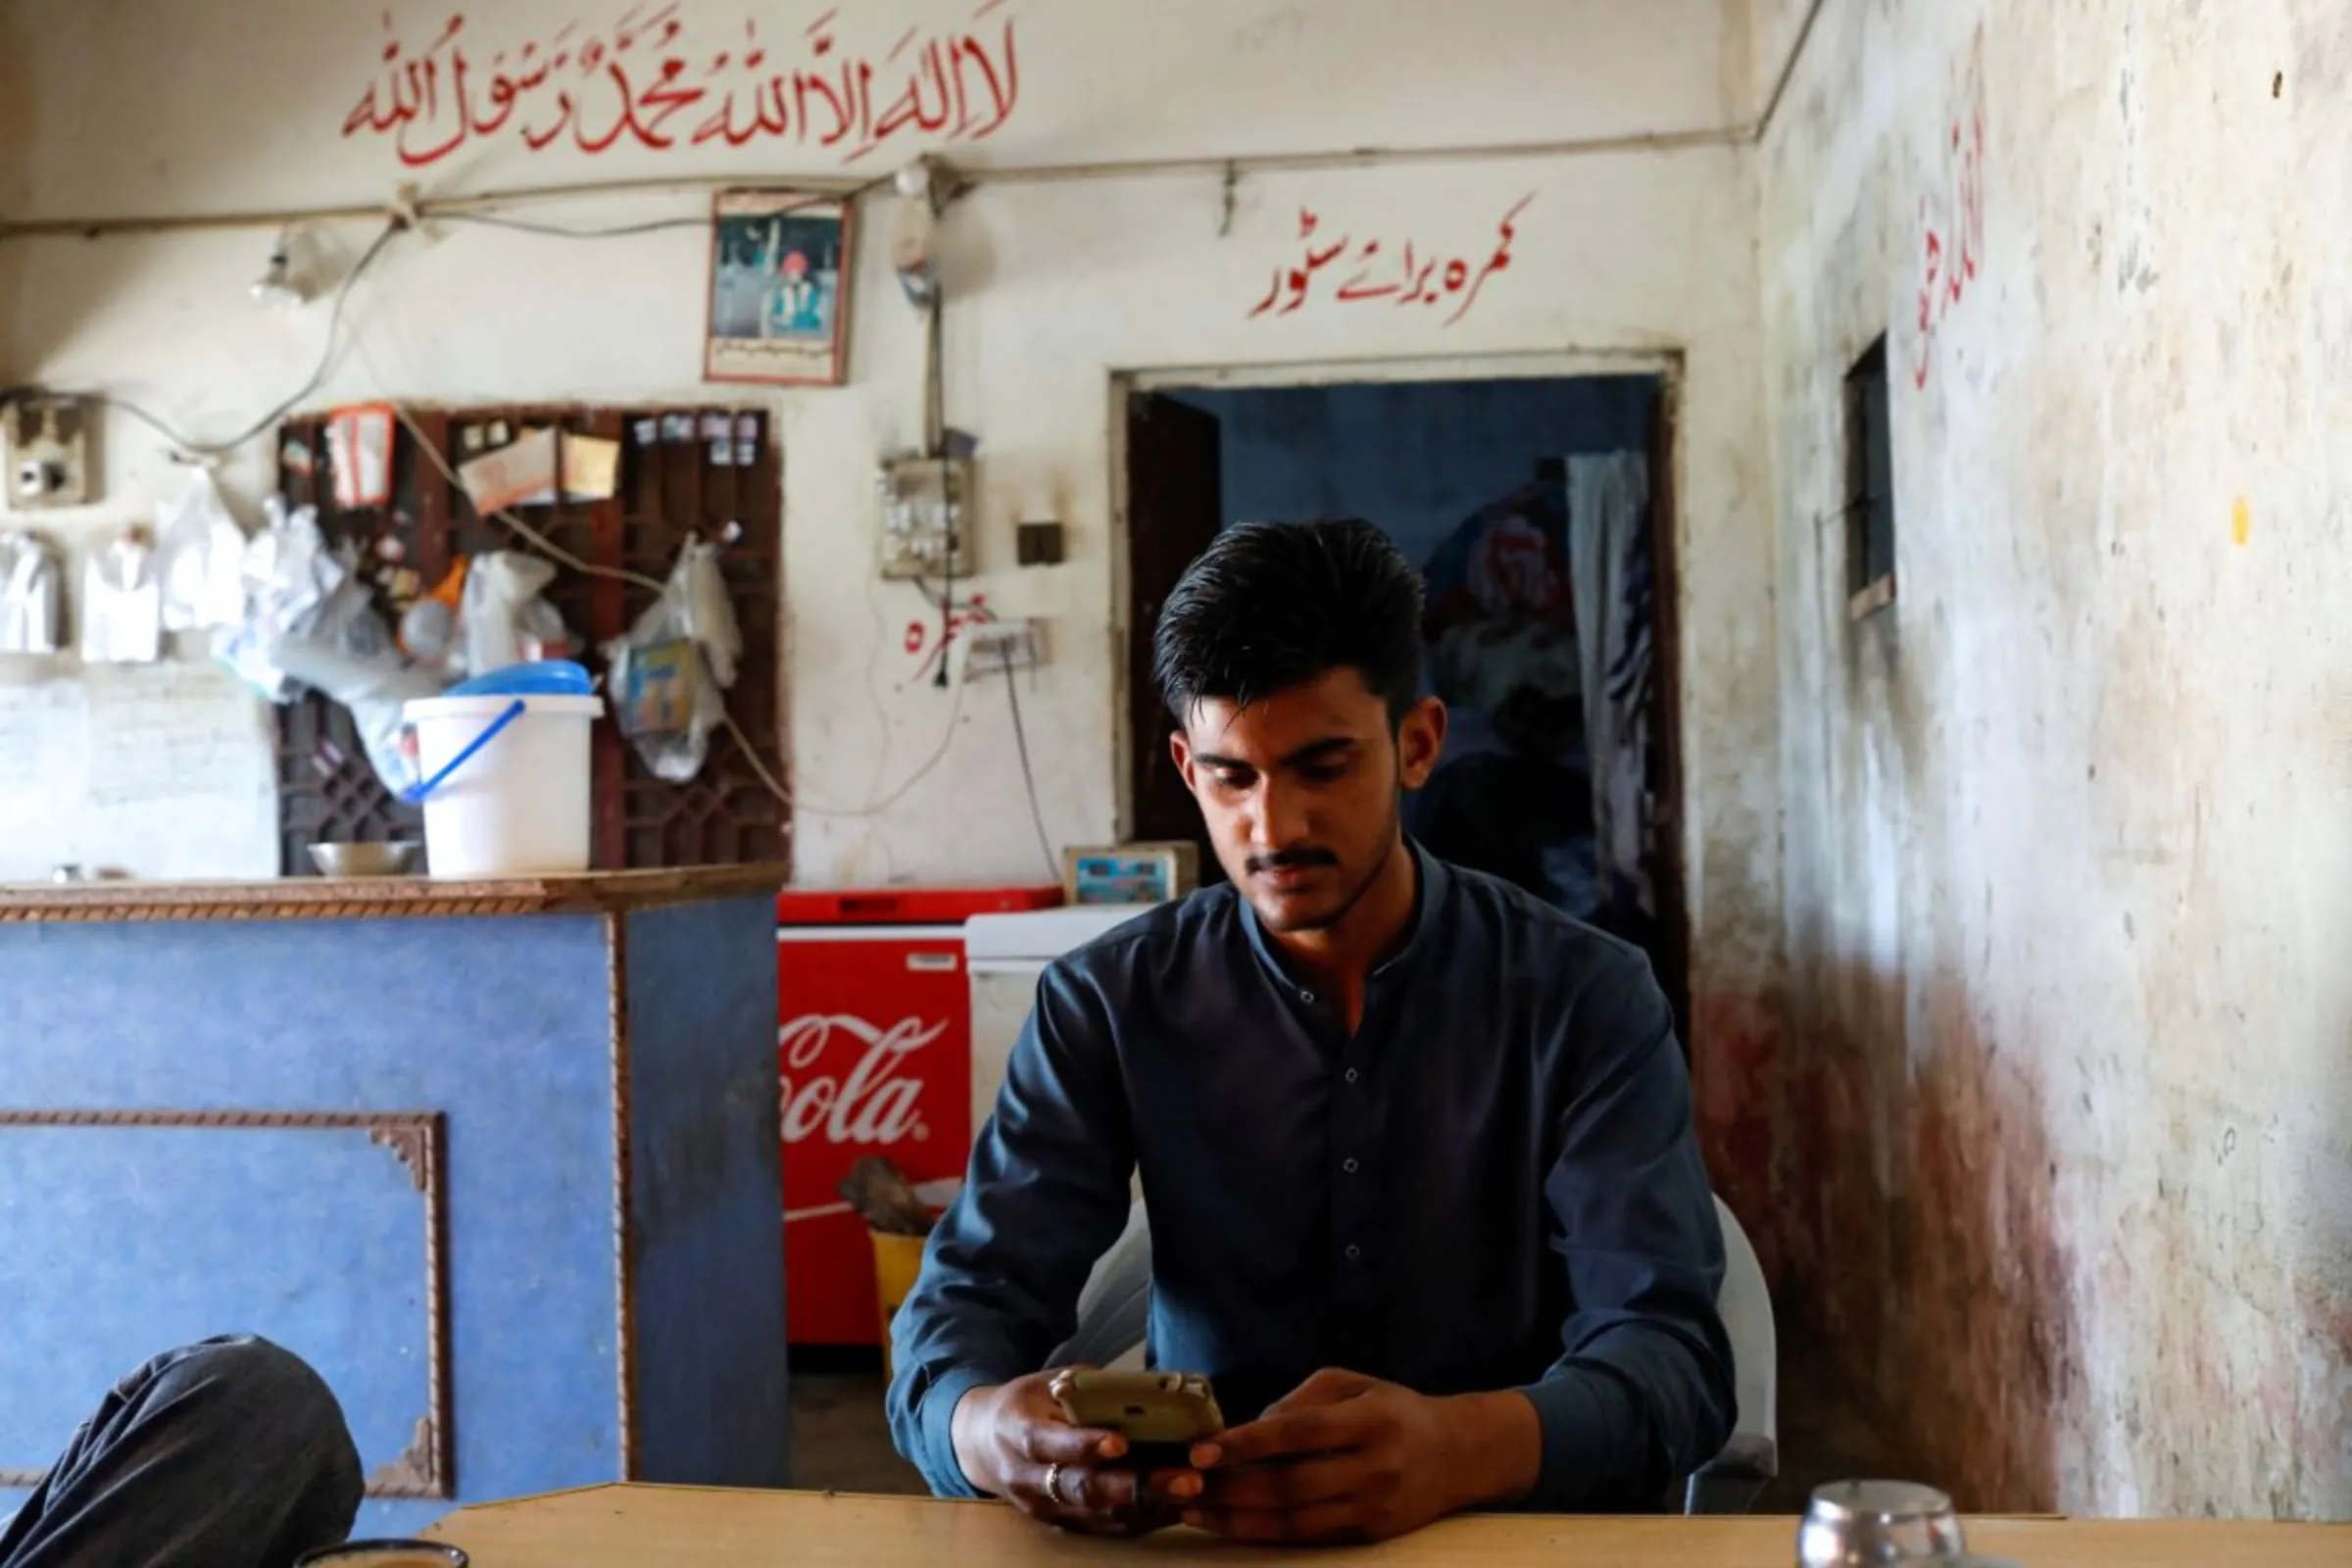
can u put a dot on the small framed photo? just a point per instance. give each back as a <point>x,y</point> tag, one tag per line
<point>780,268</point>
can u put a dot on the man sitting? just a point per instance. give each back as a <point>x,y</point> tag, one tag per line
<point>1425,1200</point>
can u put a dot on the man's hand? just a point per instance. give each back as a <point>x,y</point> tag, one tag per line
<point>1015,1442</point>
<point>1348,1457</point>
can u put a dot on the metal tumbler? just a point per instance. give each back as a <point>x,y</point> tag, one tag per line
<point>1865,1524</point>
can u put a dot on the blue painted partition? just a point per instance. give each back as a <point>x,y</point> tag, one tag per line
<point>509,1181</point>
<point>705,1178</point>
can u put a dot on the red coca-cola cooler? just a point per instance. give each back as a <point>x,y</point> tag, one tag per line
<point>874,1052</point>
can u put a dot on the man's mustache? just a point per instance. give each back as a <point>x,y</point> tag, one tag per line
<point>1293,859</point>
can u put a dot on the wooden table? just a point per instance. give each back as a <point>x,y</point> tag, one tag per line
<point>609,1527</point>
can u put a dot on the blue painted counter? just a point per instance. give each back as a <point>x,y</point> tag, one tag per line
<point>500,1159</point>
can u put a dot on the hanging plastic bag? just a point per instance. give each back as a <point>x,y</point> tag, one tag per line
<point>671,671</point>
<point>709,609</point>
<point>346,620</point>
<point>310,622</point>
<point>346,653</point>
<point>200,556</point>
<point>502,618</point>
<point>372,687</point>
<point>121,603</point>
<point>287,574</point>
<point>28,594</point>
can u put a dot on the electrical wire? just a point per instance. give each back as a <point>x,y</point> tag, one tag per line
<point>946,738</point>
<point>907,786</point>
<point>1020,738</point>
<point>523,225</point>
<point>562,557</point>
<point>553,550</point>
<point>933,395</point>
<point>565,557</point>
<point>935,435</point>
<point>878,640</point>
<point>368,258</point>
<point>953,615</point>
<point>751,755</point>
<point>971,608</point>
<point>539,540</point>
<point>318,377</point>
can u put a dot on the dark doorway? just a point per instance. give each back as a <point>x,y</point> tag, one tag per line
<point>1175,506</point>
<point>1538,513</point>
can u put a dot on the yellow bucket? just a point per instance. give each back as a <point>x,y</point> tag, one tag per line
<point>898,1259</point>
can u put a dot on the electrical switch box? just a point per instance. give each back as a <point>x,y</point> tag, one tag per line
<point>995,647</point>
<point>926,517</point>
<point>1040,544</point>
<point>45,444</point>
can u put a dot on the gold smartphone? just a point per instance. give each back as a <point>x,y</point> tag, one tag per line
<point>1155,1409</point>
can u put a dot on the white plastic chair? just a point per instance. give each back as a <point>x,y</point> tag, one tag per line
<point>1730,1482</point>
<point>1114,1311</point>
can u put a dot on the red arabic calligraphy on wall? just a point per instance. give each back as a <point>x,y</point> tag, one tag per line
<point>645,81</point>
<point>1373,271</point>
<point>1951,218</point>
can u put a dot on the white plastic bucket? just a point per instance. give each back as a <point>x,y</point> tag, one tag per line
<point>520,807</point>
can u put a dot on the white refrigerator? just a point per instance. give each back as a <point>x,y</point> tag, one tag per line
<point>1004,957</point>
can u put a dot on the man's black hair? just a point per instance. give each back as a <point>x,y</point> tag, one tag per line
<point>1274,605</point>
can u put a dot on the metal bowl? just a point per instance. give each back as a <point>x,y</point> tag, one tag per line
<point>1864,1524</point>
<point>366,860</point>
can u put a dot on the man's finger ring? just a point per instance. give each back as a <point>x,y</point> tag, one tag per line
<point>1054,1485</point>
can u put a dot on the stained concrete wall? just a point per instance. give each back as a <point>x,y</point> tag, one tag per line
<point>2064,1146</point>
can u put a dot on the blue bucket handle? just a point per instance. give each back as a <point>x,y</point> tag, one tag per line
<point>416,793</point>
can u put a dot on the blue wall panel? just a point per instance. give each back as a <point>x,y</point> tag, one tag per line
<point>708,1199</point>
<point>501,1024</point>
<point>315,1238</point>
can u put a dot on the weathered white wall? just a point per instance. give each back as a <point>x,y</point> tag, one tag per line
<point>2067,1132</point>
<point>129,107</point>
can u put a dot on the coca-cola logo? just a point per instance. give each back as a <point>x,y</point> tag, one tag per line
<point>874,1104</point>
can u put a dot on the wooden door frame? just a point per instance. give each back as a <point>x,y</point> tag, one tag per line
<point>1667,364</point>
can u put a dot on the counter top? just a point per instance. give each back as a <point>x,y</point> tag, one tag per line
<point>380,897</point>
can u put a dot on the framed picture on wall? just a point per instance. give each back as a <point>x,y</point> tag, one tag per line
<point>780,268</point>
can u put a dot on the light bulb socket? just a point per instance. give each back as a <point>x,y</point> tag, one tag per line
<point>276,285</point>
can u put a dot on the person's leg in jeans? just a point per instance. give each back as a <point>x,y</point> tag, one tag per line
<point>227,1455</point>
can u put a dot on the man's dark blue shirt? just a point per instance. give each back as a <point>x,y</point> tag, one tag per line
<point>1492,1184</point>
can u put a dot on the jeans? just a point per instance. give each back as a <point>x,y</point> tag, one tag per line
<point>231,1453</point>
